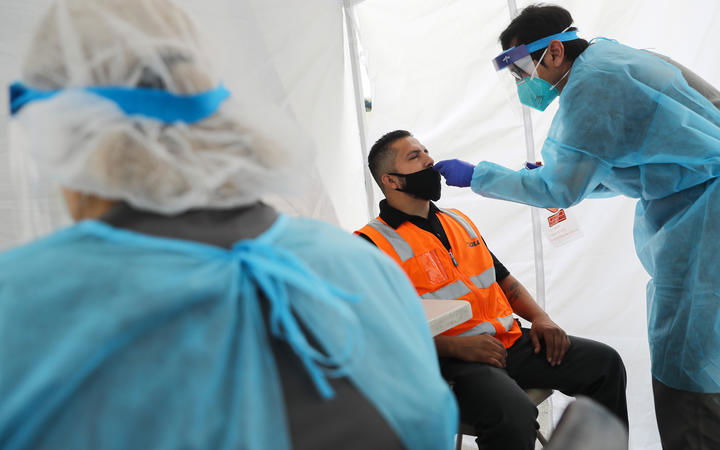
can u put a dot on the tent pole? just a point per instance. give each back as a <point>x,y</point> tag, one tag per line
<point>351,31</point>
<point>544,410</point>
<point>534,212</point>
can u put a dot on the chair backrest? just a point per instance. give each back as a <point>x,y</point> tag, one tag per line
<point>587,425</point>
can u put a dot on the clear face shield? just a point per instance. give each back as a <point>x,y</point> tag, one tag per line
<point>517,61</point>
<point>524,83</point>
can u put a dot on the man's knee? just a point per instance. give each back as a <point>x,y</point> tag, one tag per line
<point>604,359</point>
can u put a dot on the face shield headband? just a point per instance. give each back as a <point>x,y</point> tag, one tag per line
<point>153,103</point>
<point>518,57</point>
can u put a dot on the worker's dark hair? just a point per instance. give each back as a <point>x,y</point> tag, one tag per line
<point>381,155</point>
<point>539,21</point>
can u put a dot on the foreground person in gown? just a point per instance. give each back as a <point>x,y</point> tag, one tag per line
<point>180,311</point>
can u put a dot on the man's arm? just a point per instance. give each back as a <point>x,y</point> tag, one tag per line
<point>481,348</point>
<point>520,299</point>
<point>543,328</point>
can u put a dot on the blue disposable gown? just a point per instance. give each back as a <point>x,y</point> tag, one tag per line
<point>116,340</point>
<point>628,123</point>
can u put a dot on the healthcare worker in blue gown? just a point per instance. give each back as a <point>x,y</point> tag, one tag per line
<point>630,123</point>
<point>180,311</point>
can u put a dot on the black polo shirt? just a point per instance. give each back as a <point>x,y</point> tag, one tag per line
<point>394,217</point>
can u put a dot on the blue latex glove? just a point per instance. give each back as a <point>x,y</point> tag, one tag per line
<point>456,172</point>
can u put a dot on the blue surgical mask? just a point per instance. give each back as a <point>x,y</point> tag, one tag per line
<point>536,93</point>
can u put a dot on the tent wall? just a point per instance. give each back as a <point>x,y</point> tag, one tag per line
<point>16,20</point>
<point>430,71</point>
<point>429,63</point>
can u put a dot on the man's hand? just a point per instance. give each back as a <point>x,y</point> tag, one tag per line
<point>481,348</point>
<point>556,341</point>
<point>456,172</point>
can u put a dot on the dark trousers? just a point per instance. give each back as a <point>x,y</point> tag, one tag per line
<point>687,420</point>
<point>493,399</point>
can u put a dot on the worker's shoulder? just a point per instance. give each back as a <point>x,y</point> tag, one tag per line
<point>328,247</point>
<point>315,233</point>
<point>452,210</point>
<point>54,242</point>
<point>369,231</point>
<point>333,252</point>
<point>608,61</point>
<point>27,265</point>
<point>456,213</point>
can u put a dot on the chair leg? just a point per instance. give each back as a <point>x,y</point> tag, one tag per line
<point>541,438</point>
<point>458,441</point>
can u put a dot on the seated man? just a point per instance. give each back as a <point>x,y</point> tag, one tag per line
<point>489,359</point>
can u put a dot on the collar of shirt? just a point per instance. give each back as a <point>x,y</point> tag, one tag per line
<point>394,217</point>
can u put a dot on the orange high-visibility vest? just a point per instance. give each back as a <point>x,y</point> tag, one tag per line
<point>466,272</point>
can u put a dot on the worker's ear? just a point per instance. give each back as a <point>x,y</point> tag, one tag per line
<point>391,181</point>
<point>555,55</point>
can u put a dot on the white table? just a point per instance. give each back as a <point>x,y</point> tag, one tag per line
<point>445,314</point>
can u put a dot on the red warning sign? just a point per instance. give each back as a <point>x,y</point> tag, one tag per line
<point>557,218</point>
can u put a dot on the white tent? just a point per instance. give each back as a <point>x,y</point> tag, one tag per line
<point>428,70</point>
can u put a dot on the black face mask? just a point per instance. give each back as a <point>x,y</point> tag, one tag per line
<point>424,184</point>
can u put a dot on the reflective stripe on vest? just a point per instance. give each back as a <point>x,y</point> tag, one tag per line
<point>452,291</point>
<point>398,244</point>
<point>461,220</point>
<point>424,259</point>
<point>488,328</point>
<point>485,279</point>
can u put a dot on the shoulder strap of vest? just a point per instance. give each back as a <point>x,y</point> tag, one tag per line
<point>459,218</point>
<point>401,247</point>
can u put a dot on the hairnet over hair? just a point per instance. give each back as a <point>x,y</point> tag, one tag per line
<point>86,143</point>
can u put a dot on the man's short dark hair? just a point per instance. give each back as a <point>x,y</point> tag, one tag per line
<point>539,21</point>
<point>381,155</point>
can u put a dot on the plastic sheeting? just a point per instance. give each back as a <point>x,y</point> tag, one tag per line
<point>430,71</point>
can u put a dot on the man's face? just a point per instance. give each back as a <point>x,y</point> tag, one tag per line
<point>411,156</point>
